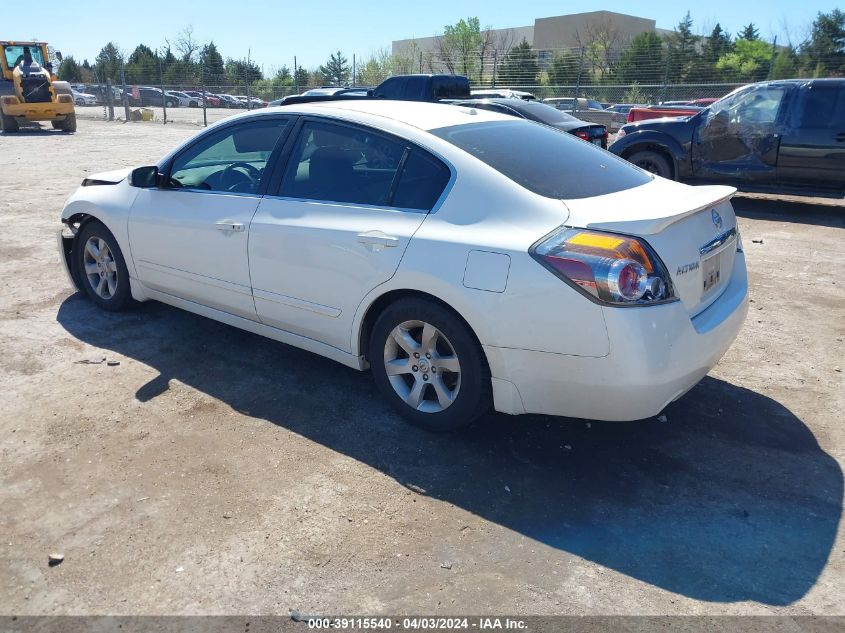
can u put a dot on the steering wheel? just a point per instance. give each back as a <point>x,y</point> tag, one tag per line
<point>238,174</point>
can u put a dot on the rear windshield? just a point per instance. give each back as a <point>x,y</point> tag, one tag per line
<point>544,160</point>
<point>544,113</point>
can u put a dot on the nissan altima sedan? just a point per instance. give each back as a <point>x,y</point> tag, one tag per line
<point>469,259</point>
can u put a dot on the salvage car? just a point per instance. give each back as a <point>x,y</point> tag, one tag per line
<point>542,113</point>
<point>469,259</point>
<point>768,135</point>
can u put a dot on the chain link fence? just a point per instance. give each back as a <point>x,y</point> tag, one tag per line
<point>645,72</point>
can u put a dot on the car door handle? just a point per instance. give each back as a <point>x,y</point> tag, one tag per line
<point>373,239</point>
<point>228,225</point>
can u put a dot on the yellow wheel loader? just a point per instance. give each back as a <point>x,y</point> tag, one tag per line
<point>29,91</point>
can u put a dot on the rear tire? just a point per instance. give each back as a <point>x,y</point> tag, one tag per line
<point>8,124</point>
<point>67,125</point>
<point>101,269</point>
<point>653,162</point>
<point>438,377</point>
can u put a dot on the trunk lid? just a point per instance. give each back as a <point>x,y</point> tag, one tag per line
<point>692,229</point>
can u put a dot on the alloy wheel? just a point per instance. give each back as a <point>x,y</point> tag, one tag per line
<point>422,366</point>
<point>100,267</point>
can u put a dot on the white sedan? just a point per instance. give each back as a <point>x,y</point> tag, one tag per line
<point>83,98</point>
<point>469,259</point>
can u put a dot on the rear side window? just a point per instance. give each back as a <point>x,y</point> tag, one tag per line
<point>421,183</point>
<point>544,160</point>
<point>337,163</point>
<point>448,87</point>
<point>823,107</point>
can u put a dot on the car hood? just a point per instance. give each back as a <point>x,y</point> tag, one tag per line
<point>108,177</point>
<point>674,125</point>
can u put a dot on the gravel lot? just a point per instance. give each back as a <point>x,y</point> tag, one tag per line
<point>182,116</point>
<point>213,471</point>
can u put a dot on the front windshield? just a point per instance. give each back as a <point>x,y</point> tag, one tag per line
<point>16,54</point>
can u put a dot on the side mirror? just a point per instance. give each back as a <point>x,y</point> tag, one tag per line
<point>59,55</point>
<point>146,177</point>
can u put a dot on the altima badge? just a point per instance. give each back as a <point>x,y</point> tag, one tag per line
<point>717,219</point>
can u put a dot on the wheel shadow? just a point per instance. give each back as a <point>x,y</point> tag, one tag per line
<point>730,500</point>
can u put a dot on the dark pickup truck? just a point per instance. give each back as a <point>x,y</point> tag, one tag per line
<point>774,135</point>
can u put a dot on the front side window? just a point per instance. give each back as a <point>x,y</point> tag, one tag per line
<point>750,106</point>
<point>544,160</point>
<point>231,160</point>
<point>336,163</point>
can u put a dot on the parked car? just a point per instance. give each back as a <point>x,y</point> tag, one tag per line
<point>569,103</point>
<point>83,98</point>
<point>542,113</point>
<point>151,97</point>
<point>467,261</point>
<point>770,134</point>
<point>502,93</point>
<point>587,110</point>
<point>645,113</point>
<point>620,112</point>
<point>212,100</point>
<point>423,88</point>
<point>182,100</point>
<point>324,94</point>
<point>228,101</point>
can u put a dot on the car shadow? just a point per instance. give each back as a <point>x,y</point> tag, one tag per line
<point>798,212</point>
<point>731,499</point>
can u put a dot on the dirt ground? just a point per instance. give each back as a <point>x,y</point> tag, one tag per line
<point>213,471</point>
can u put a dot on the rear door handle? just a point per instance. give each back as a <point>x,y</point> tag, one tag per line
<point>228,225</point>
<point>376,240</point>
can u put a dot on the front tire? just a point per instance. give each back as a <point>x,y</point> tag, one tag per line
<point>67,125</point>
<point>101,268</point>
<point>8,124</point>
<point>428,364</point>
<point>653,162</point>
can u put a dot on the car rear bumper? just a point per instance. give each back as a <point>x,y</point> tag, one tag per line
<point>656,355</point>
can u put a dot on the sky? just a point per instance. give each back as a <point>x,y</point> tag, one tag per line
<point>274,31</point>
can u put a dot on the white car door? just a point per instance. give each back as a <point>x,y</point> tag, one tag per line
<point>189,238</point>
<point>348,202</point>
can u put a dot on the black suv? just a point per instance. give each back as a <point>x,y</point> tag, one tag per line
<point>151,97</point>
<point>770,135</point>
<point>423,88</point>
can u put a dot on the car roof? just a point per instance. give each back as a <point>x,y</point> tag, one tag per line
<point>418,114</point>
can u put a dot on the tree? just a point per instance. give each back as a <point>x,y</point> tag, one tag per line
<point>459,45</point>
<point>301,78</point>
<point>824,52</point>
<point>186,44</point>
<point>749,33</point>
<point>142,66</point>
<point>109,62</point>
<point>519,66</point>
<point>240,73</point>
<point>601,40</point>
<point>336,70</point>
<point>213,68</point>
<point>785,64</point>
<point>643,61</point>
<point>749,61</point>
<point>69,70</point>
<point>564,69</point>
<point>714,47</point>
<point>373,71</point>
<point>681,51</point>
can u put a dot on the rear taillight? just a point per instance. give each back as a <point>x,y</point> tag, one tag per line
<point>614,269</point>
<point>583,135</point>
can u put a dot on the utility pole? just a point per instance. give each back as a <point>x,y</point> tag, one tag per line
<point>295,76</point>
<point>125,96</point>
<point>495,65</point>
<point>353,70</point>
<point>246,72</point>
